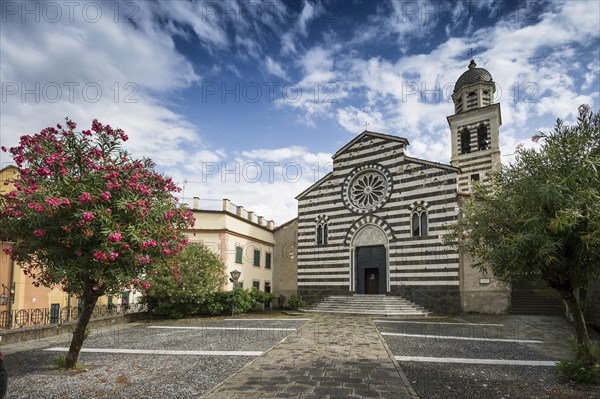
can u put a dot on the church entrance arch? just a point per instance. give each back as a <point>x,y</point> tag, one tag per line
<point>370,271</point>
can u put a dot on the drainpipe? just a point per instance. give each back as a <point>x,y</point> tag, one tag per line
<point>10,287</point>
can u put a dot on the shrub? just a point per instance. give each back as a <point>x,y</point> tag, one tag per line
<point>294,302</point>
<point>180,289</point>
<point>220,302</point>
<point>583,367</point>
<point>262,297</point>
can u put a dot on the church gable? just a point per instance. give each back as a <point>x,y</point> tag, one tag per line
<point>368,144</point>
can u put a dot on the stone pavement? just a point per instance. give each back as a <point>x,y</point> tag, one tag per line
<point>329,357</point>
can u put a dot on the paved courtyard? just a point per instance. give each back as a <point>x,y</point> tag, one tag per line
<point>304,357</point>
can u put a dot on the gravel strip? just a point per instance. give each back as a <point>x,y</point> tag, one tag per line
<point>464,381</point>
<point>31,375</point>
<point>133,376</point>
<point>443,381</point>
<point>404,346</point>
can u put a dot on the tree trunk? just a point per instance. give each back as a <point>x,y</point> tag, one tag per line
<point>89,302</point>
<point>578,319</point>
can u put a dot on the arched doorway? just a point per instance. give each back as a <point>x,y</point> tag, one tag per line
<point>370,261</point>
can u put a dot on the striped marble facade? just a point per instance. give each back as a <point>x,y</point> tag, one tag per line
<point>421,262</point>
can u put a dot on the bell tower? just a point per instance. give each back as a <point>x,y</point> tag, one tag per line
<point>474,127</point>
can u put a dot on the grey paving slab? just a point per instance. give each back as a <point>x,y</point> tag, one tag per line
<point>329,357</point>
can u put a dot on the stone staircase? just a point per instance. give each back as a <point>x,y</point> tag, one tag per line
<point>376,305</point>
<point>530,299</point>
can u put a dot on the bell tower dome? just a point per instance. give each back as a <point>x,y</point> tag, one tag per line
<point>474,127</point>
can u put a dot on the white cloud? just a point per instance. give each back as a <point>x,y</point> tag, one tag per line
<point>274,68</point>
<point>102,70</point>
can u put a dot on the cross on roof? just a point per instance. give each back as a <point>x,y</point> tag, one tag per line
<point>471,52</point>
<point>366,125</point>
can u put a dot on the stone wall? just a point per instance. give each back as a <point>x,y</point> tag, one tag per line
<point>481,292</point>
<point>49,330</point>
<point>312,295</point>
<point>285,259</point>
<point>437,299</point>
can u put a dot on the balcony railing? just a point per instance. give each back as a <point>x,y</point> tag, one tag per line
<point>38,317</point>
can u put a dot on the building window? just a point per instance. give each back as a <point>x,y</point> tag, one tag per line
<point>322,232</point>
<point>256,257</point>
<point>465,141</point>
<point>475,177</point>
<point>419,222</point>
<point>267,260</point>
<point>240,285</point>
<point>256,284</point>
<point>238,254</point>
<point>482,142</point>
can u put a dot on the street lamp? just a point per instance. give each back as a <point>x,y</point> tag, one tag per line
<point>4,299</point>
<point>235,276</point>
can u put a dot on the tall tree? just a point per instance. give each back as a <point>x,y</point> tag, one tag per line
<point>541,216</point>
<point>88,217</point>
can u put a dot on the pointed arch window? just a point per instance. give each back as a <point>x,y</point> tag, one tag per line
<point>482,141</point>
<point>419,222</point>
<point>465,141</point>
<point>322,231</point>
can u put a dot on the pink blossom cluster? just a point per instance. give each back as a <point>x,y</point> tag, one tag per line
<point>115,237</point>
<point>52,201</point>
<point>105,196</point>
<point>87,216</point>
<point>149,243</point>
<point>84,197</point>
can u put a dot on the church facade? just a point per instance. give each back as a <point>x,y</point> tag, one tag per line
<point>375,224</point>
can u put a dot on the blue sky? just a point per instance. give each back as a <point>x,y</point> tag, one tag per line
<point>248,100</point>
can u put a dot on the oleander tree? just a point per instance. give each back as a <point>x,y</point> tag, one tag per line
<point>88,217</point>
<point>540,218</point>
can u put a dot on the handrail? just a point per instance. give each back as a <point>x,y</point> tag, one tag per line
<point>441,304</point>
<point>417,291</point>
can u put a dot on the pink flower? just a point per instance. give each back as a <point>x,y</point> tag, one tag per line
<point>79,254</point>
<point>87,216</point>
<point>8,250</point>
<point>166,251</point>
<point>105,195</point>
<point>150,243</point>
<point>38,208</point>
<point>115,237</point>
<point>84,197</point>
<point>99,255</point>
<point>95,288</point>
<point>113,256</point>
<point>66,201</point>
<point>52,201</point>
<point>38,233</point>
<point>145,285</point>
<point>135,281</point>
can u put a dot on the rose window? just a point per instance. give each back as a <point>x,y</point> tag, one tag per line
<point>368,190</point>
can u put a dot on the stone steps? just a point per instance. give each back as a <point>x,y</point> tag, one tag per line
<point>527,299</point>
<point>379,305</point>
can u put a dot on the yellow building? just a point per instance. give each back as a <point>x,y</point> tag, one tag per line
<point>243,240</point>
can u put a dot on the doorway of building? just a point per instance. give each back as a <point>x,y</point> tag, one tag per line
<point>371,275</point>
<point>371,280</point>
